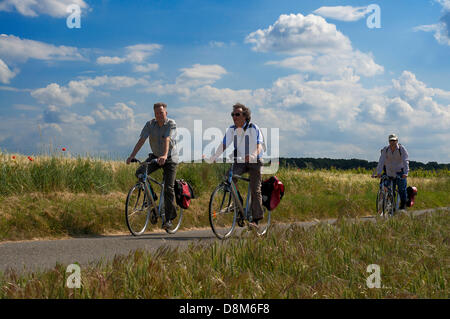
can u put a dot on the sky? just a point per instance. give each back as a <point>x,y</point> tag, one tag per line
<point>334,77</point>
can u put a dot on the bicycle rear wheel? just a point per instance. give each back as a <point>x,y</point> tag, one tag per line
<point>136,210</point>
<point>176,222</point>
<point>222,211</point>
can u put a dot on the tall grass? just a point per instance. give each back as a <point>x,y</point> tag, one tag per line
<point>60,196</point>
<point>319,262</point>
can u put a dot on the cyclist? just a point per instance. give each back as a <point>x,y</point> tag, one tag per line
<point>161,132</point>
<point>394,163</point>
<point>248,144</point>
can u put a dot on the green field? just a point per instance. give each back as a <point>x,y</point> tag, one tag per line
<point>56,196</point>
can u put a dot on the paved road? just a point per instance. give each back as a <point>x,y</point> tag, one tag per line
<point>44,254</point>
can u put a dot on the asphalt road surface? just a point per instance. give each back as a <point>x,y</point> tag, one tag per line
<point>36,255</point>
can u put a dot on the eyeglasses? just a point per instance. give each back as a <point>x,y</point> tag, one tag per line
<point>236,114</point>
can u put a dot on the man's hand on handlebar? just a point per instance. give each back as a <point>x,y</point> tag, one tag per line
<point>162,160</point>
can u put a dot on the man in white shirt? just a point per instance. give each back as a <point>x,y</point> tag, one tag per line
<point>248,144</point>
<point>394,161</point>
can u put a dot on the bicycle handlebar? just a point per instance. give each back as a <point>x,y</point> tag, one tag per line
<point>135,160</point>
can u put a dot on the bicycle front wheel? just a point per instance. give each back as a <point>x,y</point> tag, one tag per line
<point>176,222</point>
<point>264,223</point>
<point>380,203</point>
<point>222,211</point>
<point>136,210</point>
<point>388,205</point>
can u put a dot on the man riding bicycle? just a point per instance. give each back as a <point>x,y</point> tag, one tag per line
<point>248,144</point>
<point>394,163</point>
<point>162,133</point>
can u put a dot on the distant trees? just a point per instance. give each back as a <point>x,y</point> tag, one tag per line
<point>328,163</point>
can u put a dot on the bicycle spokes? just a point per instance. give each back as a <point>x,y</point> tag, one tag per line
<point>222,212</point>
<point>136,210</point>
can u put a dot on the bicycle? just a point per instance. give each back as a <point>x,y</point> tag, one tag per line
<point>141,206</point>
<point>388,200</point>
<point>226,208</point>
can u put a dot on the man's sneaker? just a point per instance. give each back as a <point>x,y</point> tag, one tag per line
<point>167,225</point>
<point>253,226</point>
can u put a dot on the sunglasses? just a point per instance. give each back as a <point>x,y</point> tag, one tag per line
<point>236,114</point>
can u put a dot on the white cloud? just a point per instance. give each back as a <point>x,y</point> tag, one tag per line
<point>440,32</point>
<point>298,34</point>
<point>5,73</point>
<point>119,112</point>
<point>277,117</point>
<point>15,49</point>
<point>425,110</point>
<point>136,54</point>
<point>110,60</point>
<point>445,4</point>
<point>315,46</point>
<point>145,68</point>
<point>75,92</point>
<point>122,123</point>
<point>342,13</point>
<point>216,44</point>
<point>34,8</point>
<point>139,52</point>
<point>196,76</point>
<point>343,64</point>
<point>53,114</point>
<point>356,118</point>
<point>441,29</point>
<point>200,74</point>
<point>105,130</point>
<point>78,91</point>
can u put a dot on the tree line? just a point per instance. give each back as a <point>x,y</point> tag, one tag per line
<point>328,163</point>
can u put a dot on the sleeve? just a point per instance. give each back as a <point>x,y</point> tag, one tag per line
<point>381,161</point>
<point>405,159</point>
<point>145,131</point>
<point>171,130</point>
<point>228,138</point>
<point>259,136</point>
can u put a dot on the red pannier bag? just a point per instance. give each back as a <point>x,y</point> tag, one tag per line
<point>411,192</point>
<point>272,191</point>
<point>183,193</point>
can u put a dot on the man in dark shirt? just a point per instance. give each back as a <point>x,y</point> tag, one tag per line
<point>161,132</point>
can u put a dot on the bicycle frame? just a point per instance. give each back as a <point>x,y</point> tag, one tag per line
<point>245,210</point>
<point>391,188</point>
<point>148,192</point>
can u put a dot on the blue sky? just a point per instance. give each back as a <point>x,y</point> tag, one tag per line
<point>333,86</point>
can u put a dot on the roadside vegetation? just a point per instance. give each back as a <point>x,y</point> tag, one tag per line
<point>58,196</point>
<point>323,261</point>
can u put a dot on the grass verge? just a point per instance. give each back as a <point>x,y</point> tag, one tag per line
<point>319,262</point>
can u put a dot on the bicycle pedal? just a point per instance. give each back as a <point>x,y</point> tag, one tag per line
<point>240,220</point>
<point>153,217</point>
